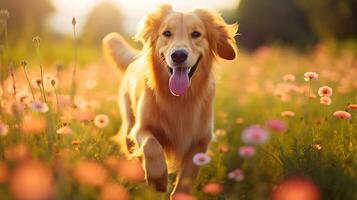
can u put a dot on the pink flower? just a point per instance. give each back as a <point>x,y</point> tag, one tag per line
<point>246,151</point>
<point>308,76</point>
<point>276,125</point>
<point>325,91</point>
<point>39,106</point>
<point>201,159</point>
<point>342,114</point>
<point>255,135</point>
<point>212,188</point>
<point>325,100</point>
<point>236,175</point>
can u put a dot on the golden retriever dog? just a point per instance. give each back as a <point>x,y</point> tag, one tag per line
<point>167,91</point>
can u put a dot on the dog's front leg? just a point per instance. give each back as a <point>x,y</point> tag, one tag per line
<point>154,160</point>
<point>187,174</point>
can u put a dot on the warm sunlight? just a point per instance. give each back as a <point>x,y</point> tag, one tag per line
<point>133,10</point>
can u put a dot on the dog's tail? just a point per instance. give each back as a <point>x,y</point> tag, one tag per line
<point>118,51</point>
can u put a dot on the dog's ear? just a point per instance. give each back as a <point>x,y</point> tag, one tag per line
<point>150,24</point>
<point>219,34</point>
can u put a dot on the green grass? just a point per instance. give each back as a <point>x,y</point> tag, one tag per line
<point>245,89</point>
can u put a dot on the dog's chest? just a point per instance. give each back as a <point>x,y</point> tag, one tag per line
<point>182,126</point>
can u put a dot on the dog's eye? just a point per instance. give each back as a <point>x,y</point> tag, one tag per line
<point>195,34</point>
<point>167,33</point>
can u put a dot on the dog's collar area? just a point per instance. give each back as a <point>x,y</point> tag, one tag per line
<point>192,69</point>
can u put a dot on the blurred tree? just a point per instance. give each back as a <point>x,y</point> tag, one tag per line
<point>26,17</point>
<point>262,22</point>
<point>332,19</point>
<point>103,19</point>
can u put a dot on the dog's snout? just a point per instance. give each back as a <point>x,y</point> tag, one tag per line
<point>179,56</point>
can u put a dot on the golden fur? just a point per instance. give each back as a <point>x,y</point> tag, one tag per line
<point>168,130</point>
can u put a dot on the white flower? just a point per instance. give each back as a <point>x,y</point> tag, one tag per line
<point>65,130</point>
<point>90,84</point>
<point>308,76</point>
<point>325,91</point>
<point>101,121</point>
<point>4,129</point>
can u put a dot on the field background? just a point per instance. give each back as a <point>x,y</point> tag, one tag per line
<point>62,153</point>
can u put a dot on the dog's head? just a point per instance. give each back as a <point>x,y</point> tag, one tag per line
<point>183,40</point>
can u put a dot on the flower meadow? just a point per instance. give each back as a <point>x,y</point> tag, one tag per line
<point>285,127</point>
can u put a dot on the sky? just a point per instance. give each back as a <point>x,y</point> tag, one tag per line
<point>133,10</point>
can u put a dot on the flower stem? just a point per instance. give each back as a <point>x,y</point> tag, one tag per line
<point>12,78</point>
<point>54,88</point>
<point>39,58</point>
<point>28,80</point>
<point>74,86</point>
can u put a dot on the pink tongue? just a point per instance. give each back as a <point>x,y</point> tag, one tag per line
<point>179,81</point>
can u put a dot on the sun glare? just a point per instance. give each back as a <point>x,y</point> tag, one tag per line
<point>132,10</point>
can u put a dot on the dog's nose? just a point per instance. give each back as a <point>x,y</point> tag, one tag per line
<point>179,56</point>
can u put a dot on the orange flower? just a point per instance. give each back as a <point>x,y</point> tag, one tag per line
<point>239,120</point>
<point>325,91</point>
<point>4,172</point>
<point>90,172</point>
<point>131,170</point>
<point>296,189</point>
<point>33,125</point>
<point>342,114</point>
<point>212,188</point>
<point>113,191</point>
<point>112,162</point>
<point>182,196</point>
<point>352,106</point>
<point>18,152</point>
<point>317,146</point>
<point>223,148</point>
<point>32,181</point>
<point>76,142</point>
<point>287,114</point>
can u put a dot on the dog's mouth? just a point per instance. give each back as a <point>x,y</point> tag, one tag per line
<point>180,78</point>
